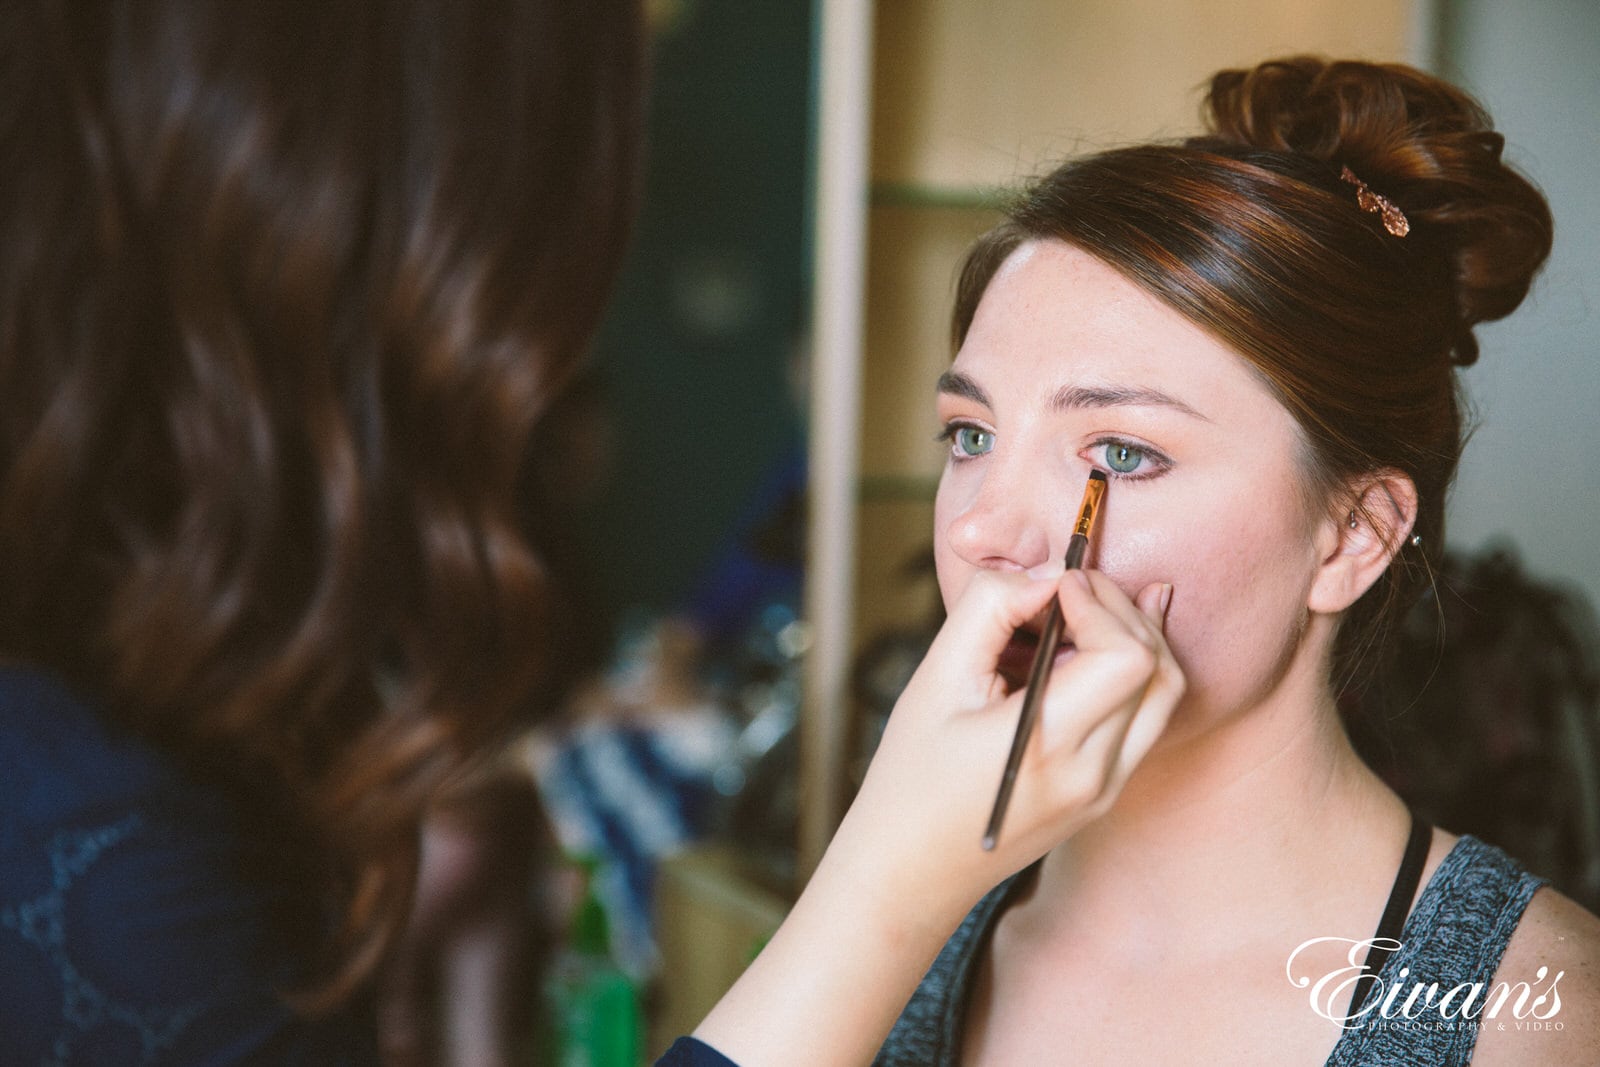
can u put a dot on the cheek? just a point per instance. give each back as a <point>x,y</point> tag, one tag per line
<point>1240,582</point>
<point>953,572</point>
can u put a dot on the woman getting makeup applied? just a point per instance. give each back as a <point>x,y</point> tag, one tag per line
<point>283,289</point>
<point>1253,334</point>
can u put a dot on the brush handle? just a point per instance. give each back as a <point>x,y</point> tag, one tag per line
<point>1038,678</point>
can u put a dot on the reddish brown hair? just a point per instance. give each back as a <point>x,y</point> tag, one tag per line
<point>1250,232</point>
<point>282,290</point>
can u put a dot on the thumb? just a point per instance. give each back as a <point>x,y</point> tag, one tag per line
<point>990,610</point>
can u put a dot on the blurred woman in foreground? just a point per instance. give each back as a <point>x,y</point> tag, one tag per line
<point>282,289</point>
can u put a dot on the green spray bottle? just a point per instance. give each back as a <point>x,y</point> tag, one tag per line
<point>592,1005</point>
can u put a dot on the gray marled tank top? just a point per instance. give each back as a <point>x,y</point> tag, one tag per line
<point>1456,933</point>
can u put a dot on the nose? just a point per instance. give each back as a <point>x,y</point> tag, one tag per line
<point>999,522</point>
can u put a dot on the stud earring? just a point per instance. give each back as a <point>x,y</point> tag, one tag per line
<point>1351,521</point>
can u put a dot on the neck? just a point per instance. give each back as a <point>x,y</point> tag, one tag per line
<point>1234,831</point>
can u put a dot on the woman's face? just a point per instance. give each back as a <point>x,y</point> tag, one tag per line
<point>1069,367</point>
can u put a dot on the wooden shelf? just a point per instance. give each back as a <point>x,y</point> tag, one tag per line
<point>713,914</point>
<point>943,198</point>
<point>879,488</point>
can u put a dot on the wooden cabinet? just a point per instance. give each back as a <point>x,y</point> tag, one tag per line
<point>713,916</point>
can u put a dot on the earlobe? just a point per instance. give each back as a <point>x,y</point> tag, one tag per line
<point>1358,543</point>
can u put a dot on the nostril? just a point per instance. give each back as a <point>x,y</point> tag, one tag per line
<point>998,541</point>
<point>994,525</point>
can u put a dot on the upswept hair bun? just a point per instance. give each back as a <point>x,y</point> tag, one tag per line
<point>1420,142</point>
<point>1276,231</point>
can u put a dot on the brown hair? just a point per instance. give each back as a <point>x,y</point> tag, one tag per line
<point>282,289</point>
<point>1251,232</point>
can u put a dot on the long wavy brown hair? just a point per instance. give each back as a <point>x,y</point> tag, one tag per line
<point>283,288</point>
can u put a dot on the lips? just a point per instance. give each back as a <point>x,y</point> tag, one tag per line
<point>1016,659</point>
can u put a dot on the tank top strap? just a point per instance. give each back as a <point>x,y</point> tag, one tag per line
<point>1455,937</point>
<point>1392,924</point>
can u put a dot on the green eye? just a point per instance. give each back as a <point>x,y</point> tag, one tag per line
<point>971,441</point>
<point>1124,459</point>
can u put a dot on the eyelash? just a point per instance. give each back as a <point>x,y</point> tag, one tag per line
<point>1155,462</point>
<point>948,437</point>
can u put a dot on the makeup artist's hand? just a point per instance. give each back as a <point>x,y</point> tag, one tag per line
<point>907,864</point>
<point>932,783</point>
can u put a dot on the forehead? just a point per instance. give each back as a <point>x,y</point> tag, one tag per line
<point>1054,315</point>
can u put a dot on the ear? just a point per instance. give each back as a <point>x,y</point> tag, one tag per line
<point>1360,538</point>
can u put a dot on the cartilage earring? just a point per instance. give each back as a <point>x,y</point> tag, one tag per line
<point>1352,520</point>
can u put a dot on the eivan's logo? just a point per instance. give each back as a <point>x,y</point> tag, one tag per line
<point>1465,1003</point>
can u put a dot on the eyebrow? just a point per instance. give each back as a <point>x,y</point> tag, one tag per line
<point>1074,397</point>
<point>954,383</point>
<point>1070,397</point>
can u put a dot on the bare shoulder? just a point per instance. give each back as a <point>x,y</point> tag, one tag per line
<point>1556,952</point>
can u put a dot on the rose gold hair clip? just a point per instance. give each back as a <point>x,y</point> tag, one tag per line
<point>1394,220</point>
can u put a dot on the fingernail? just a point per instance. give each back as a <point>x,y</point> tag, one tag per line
<point>1166,600</point>
<point>1050,568</point>
<point>1081,578</point>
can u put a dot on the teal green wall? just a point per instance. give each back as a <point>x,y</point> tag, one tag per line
<point>695,354</point>
<point>1536,65</point>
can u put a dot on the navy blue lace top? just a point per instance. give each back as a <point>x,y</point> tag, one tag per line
<point>128,932</point>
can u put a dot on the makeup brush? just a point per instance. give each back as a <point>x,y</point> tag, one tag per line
<point>1044,656</point>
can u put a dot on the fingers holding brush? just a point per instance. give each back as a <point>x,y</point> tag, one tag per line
<point>906,864</point>
<point>1167,685</point>
<point>962,662</point>
<point>1106,702</point>
<point>932,779</point>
